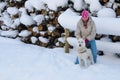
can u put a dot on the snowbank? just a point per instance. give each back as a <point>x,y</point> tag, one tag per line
<point>108,26</point>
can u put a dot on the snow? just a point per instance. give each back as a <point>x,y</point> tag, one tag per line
<point>42,32</point>
<point>106,12</point>
<point>44,40</point>
<point>17,21</point>
<point>2,5</point>
<point>61,39</point>
<point>107,47</point>
<point>108,26</point>
<point>78,5</point>
<point>57,44</point>
<point>53,4</point>
<point>111,1</point>
<point>68,17</point>
<point>72,41</point>
<point>51,28</point>
<point>88,1</point>
<point>15,24</point>
<point>29,6</point>
<point>6,19</point>
<point>33,39</point>
<point>35,29</point>
<point>106,38</point>
<point>29,62</point>
<point>12,10</point>
<point>95,6</point>
<point>46,17</point>
<point>25,18</point>
<point>62,3</point>
<point>109,4</point>
<point>9,33</point>
<point>115,6</point>
<point>38,19</point>
<point>37,4</point>
<point>20,61</point>
<point>4,27</point>
<point>24,33</point>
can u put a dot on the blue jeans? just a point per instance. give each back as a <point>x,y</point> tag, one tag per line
<point>93,49</point>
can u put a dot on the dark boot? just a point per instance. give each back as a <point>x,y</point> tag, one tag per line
<point>100,53</point>
<point>117,54</point>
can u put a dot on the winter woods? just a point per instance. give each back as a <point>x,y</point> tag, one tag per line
<point>36,21</point>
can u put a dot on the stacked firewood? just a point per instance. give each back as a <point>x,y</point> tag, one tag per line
<point>16,3</point>
<point>46,33</point>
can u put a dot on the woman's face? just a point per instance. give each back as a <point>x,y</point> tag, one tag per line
<point>85,19</point>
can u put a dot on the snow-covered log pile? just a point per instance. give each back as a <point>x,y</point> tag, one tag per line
<point>36,21</point>
<point>33,21</point>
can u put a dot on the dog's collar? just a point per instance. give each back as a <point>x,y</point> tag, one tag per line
<point>83,51</point>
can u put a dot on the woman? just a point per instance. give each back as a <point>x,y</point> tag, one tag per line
<point>86,29</point>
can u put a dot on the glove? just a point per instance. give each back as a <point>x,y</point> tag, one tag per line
<point>87,43</point>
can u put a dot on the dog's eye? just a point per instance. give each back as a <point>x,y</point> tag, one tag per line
<point>81,41</point>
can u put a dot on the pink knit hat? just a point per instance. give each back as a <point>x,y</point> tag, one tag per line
<point>85,14</point>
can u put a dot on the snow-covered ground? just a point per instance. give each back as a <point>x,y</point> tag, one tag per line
<point>20,61</point>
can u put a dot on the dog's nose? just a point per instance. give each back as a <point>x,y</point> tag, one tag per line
<point>79,44</point>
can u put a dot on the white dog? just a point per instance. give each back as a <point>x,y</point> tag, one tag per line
<point>84,55</point>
